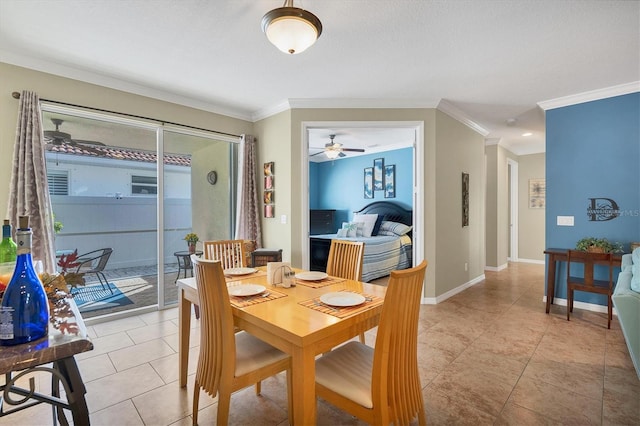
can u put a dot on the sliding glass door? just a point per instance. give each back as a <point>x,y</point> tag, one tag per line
<point>109,190</point>
<point>199,198</point>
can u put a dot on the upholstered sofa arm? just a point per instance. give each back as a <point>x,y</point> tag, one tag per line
<point>627,304</point>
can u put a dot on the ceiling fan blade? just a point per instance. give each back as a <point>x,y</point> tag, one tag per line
<point>342,155</point>
<point>353,149</point>
<point>317,153</point>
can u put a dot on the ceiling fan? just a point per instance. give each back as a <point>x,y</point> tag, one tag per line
<point>56,137</point>
<point>334,150</point>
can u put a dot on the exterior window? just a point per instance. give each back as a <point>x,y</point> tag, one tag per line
<point>58,182</point>
<point>144,185</point>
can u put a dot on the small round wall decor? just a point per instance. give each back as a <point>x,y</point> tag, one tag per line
<point>212,177</point>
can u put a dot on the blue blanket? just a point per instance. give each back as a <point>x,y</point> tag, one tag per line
<point>382,254</point>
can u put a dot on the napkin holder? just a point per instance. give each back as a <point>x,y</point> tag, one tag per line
<point>280,274</point>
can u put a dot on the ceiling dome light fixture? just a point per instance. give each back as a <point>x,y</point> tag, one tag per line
<point>291,29</point>
<point>333,153</point>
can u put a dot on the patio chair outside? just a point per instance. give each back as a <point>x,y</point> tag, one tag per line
<point>94,262</point>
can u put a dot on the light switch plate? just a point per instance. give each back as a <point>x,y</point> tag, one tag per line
<point>283,219</point>
<point>565,220</point>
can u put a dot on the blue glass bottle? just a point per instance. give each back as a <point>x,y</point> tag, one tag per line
<point>25,308</point>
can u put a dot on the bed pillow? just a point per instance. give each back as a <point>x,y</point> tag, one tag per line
<point>369,221</point>
<point>376,227</point>
<point>394,228</point>
<point>351,229</point>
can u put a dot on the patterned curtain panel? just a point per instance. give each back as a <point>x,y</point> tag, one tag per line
<point>248,211</point>
<point>29,190</point>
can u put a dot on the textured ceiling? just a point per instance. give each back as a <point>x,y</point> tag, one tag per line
<point>487,61</point>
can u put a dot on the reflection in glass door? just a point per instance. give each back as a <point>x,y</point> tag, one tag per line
<point>102,180</point>
<point>199,176</point>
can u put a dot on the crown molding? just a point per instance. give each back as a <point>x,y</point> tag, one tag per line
<point>333,103</point>
<point>453,111</point>
<point>64,71</point>
<point>593,95</point>
<point>360,103</point>
<point>271,110</point>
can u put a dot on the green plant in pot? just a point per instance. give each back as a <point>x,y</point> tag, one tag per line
<point>598,245</point>
<point>191,240</point>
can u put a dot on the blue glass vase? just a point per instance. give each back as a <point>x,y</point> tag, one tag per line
<point>25,308</point>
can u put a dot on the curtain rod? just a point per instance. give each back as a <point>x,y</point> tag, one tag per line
<point>16,95</point>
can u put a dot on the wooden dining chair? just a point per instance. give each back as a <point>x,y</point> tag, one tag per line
<point>587,282</point>
<point>228,361</point>
<point>345,261</point>
<point>381,385</point>
<point>231,253</point>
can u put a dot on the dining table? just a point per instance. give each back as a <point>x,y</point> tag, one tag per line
<point>293,320</point>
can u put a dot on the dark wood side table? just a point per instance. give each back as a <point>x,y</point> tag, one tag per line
<point>560,255</point>
<point>67,337</point>
<point>184,262</point>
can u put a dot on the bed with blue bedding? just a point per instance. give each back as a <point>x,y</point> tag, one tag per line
<point>389,250</point>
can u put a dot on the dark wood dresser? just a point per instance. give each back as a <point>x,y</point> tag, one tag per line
<point>322,222</point>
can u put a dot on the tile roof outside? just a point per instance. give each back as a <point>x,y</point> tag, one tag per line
<point>116,153</point>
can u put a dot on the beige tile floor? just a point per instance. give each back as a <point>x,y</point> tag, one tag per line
<point>489,355</point>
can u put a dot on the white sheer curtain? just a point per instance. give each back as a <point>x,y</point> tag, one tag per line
<point>248,209</point>
<point>29,190</point>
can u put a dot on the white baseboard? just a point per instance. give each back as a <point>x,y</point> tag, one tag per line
<point>593,307</point>
<point>452,292</point>
<point>496,268</point>
<point>537,262</point>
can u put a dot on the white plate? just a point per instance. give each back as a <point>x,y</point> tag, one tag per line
<point>239,271</point>
<point>246,290</point>
<point>342,298</point>
<point>311,276</point>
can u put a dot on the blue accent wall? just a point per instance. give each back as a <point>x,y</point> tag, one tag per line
<point>593,151</point>
<point>313,184</point>
<point>339,184</point>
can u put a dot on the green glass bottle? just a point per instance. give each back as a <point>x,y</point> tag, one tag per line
<point>8,247</point>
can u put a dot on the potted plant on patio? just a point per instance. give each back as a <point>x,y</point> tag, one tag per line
<point>598,245</point>
<point>191,239</point>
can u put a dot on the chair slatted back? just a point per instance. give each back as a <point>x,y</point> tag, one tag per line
<point>345,259</point>
<point>230,253</point>
<point>395,377</point>
<point>217,357</point>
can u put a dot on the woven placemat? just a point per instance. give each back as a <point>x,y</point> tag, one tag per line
<point>269,294</point>
<point>231,278</point>
<point>343,312</point>
<point>320,283</point>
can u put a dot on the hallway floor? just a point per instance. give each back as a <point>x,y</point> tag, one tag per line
<point>488,355</point>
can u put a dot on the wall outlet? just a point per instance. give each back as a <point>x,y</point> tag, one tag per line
<point>283,219</point>
<point>466,266</point>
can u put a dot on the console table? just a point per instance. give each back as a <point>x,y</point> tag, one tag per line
<point>67,337</point>
<point>560,255</point>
